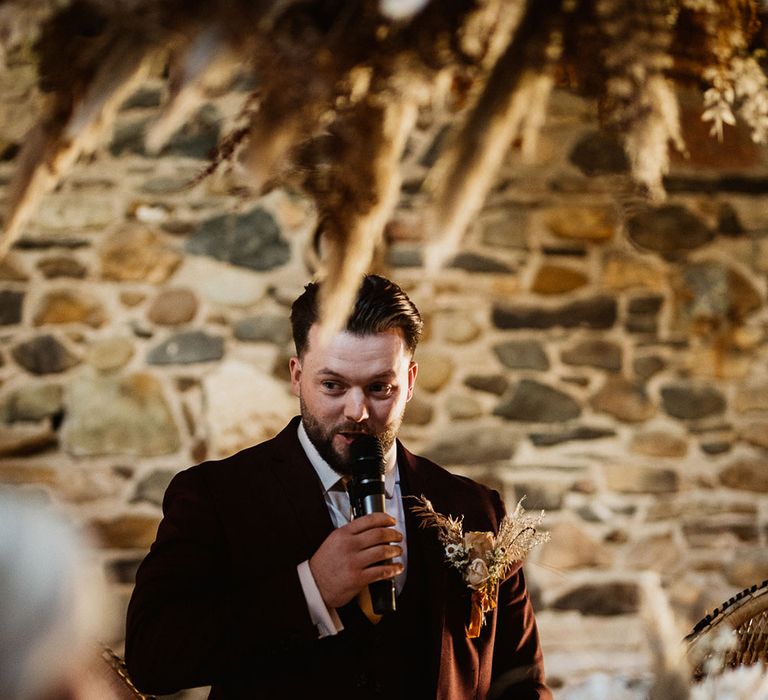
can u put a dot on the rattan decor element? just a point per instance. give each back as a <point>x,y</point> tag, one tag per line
<point>746,614</point>
<point>118,679</point>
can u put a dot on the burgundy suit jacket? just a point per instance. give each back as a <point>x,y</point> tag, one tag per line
<point>218,600</point>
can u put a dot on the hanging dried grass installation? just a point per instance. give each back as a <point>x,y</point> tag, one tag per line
<point>339,86</point>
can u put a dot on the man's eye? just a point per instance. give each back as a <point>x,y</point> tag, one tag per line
<point>331,386</point>
<point>381,389</point>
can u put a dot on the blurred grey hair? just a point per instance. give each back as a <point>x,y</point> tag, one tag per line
<point>47,608</point>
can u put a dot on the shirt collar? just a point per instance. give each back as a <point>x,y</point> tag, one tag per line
<point>329,478</point>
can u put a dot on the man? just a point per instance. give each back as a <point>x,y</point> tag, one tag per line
<point>256,582</point>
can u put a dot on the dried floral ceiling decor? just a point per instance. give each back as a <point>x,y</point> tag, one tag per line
<point>340,85</point>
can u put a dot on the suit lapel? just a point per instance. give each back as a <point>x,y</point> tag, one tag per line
<point>302,491</point>
<point>415,482</point>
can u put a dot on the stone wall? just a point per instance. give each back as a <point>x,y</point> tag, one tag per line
<point>601,356</point>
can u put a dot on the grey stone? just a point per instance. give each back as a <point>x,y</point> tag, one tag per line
<point>473,262</point>
<point>490,383</point>
<point>602,354</point>
<point>690,402</point>
<point>706,533</point>
<point>44,354</point>
<point>712,290</point>
<point>199,137</point>
<point>186,348</point>
<point>547,495</point>
<point>642,323</point>
<point>46,242</point>
<point>146,96</point>
<point>122,571</point>
<point>118,415</point>
<point>532,402</point>
<point>473,446</point>
<point>670,230</point>
<point>522,354</point>
<point>646,305</point>
<point>511,231</point>
<point>599,153</point>
<point>152,487</point>
<point>250,240</point>
<point>270,329</point>
<point>62,266</point>
<point>581,432</point>
<point>128,136</point>
<point>33,403</point>
<point>718,447</point>
<point>616,598</point>
<point>596,312</point>
<point>11,303</point>
<point>165,185</point>
<point>404,255</point>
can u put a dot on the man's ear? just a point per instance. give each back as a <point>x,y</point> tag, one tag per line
<point>413,370</point>
<point>294,367</point>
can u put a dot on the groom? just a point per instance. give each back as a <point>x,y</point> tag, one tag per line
<point>256,582</point>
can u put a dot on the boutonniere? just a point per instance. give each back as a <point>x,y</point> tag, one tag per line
<point>482,558</point>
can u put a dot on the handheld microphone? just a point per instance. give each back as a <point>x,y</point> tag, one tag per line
<point>366,494</point>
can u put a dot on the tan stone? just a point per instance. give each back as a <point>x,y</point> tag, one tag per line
<point>756,433</point>
<point>12,269</point>
<point>418,411</point>
<point>657,443</point>
<point>747,568</point>
<point>556,279</point>
<point>137,254</point>
<point>435,370</point>
<point>110,354</point>
<point>750,474</point>
<point>18,474</point>
<point>571,547</point>
<point>24,439</point>
<point>588,223</point>
<point>463,407</point>
<point>631,478</point>
<point>622,271</point>
<point>659,553</point>
<point>505,287</point>
<point>125,532</point>
<point>131,299</point>
<point>752,397</point>
<point>64,306</point>
<point>624,400</point>
<point>456,327</point>
<point>172,307</point>
<point>717,362</point>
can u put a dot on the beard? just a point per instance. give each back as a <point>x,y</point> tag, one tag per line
<point>321,437</point>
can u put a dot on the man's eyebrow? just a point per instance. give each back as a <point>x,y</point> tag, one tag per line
<point>386,374</point>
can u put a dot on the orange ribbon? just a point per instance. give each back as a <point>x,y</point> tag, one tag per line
<point>481,604</point>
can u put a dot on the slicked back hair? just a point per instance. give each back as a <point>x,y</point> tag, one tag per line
<point>380,306</point>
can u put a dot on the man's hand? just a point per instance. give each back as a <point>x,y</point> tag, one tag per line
<point>341,566</point>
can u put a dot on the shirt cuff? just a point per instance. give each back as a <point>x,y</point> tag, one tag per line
<point>325,619</point>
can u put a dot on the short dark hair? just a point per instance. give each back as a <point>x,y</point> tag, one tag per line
<point>380,305</point>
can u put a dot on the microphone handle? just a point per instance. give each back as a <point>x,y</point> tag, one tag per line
<point>368,497</point>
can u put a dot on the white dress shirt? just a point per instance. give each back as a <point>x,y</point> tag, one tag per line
<point>327,619</point>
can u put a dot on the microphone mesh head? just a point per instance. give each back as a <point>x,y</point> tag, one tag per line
<point>366,455</point>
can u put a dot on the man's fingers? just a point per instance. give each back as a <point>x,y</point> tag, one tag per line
<point>379,573</point>
<point>379,535</point>
<point>368,522</point>
<point>375,554</point>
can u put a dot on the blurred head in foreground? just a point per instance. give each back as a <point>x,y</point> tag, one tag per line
<point>49,606</point>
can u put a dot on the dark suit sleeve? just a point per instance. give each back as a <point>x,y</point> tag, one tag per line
<point>518,666</point>
<point>189,622</point>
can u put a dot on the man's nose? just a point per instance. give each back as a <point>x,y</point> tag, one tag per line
<point>356,407</point>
